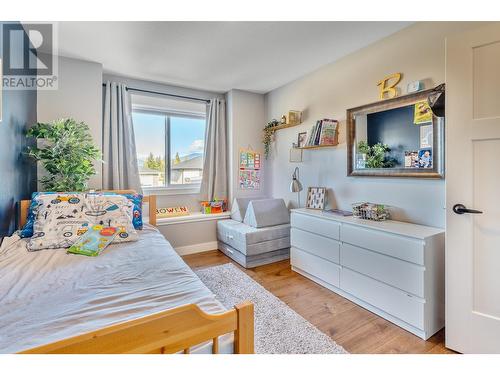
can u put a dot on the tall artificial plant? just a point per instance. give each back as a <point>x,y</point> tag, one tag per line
<point>67,153</point>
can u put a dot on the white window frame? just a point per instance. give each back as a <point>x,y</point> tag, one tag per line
<point>169,189</point>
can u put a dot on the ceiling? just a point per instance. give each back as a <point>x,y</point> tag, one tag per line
<point>218,56</point>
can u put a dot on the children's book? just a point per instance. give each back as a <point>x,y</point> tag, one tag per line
<point>310,136</point>
<point>328,132</point>
<point>312,139</point>
<point>95,240</point>
<point>318,133</point>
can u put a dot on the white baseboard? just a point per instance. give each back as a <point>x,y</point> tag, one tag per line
<point>196,248</point>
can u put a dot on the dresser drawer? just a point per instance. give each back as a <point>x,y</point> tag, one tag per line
<point>315,266</point>
<point>317,245</point>
<point>398,273</point>
<point>405,248</point>
<point>327,228</point>
<point>391,300</point>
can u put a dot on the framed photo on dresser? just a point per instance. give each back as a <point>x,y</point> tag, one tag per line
<point>316,198</point>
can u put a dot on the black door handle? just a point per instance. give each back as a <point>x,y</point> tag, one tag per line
<point>461,209</point>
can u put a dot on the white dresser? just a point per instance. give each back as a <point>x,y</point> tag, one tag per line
<point>391,268</point>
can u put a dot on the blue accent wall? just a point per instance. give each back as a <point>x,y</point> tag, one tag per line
<point>17,173</point>
<point>395,128</point>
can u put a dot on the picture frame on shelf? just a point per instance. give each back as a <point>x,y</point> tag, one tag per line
<point>301,139</point>
<point>294,117</point>
<point>316,198</point>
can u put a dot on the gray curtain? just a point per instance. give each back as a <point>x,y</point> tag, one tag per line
<point>120,170</point>
<point>214,182</point>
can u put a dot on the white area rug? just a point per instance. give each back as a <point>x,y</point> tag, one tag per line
<point>278,329</point>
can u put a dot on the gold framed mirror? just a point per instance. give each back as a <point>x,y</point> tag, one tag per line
<point>398,137</point>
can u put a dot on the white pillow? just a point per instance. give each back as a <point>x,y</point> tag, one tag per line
<point>59,220</point>
<point>112,211</point>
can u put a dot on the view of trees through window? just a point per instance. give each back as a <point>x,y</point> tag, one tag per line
<point>180,137</point>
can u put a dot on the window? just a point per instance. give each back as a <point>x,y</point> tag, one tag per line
<point>169,146</point>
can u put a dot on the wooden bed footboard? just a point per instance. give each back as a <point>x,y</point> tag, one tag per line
<point>170,331</point>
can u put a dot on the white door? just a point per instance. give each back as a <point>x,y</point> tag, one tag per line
<point>473,180</point>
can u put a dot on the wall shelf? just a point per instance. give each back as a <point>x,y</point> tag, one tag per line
<point>317,146</point>
<point>284,126</point>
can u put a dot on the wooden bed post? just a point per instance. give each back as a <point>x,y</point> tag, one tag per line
<point>244,334</point>
<point>152,210</point>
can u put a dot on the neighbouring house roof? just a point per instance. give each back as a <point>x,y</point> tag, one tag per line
<point>195,163</point>
<point>148,171</point>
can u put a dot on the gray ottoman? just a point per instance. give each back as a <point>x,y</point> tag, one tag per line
<point>262,238</point>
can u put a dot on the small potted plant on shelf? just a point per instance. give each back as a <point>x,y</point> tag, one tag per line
<point>268,136</point>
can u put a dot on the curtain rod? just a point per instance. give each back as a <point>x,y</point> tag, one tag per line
<point>164,93</point>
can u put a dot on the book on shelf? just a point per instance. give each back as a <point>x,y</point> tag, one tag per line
<point>328,132</point>
<point>312,135</point>
<point>322,133</point>
<point>309,136</point>
<point>318,133</point>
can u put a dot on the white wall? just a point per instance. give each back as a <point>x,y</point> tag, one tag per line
<point>193,237</point>
<point>419,53</point>
<point>246,119</point>
<point>79,96</point>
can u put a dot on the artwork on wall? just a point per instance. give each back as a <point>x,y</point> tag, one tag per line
<point>249,179</point>
<point>316,198</point>
<point>426,136</point>
<point>249,169</point>
<point>411,159</point>
<point>423,113</point>
<point>425,158</point>
<point>249,159</point>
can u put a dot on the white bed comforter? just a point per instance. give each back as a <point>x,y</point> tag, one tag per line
<point>50,295</point>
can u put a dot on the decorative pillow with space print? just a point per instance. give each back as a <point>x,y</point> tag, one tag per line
<point>59,219</point>
<point>111,211</point>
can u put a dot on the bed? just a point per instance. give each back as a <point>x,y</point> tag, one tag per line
<point>136,297</point>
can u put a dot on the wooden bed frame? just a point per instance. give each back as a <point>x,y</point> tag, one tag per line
<point>169,331</point>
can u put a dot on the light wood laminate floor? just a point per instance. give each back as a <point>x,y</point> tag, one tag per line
<point>353,327</point>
